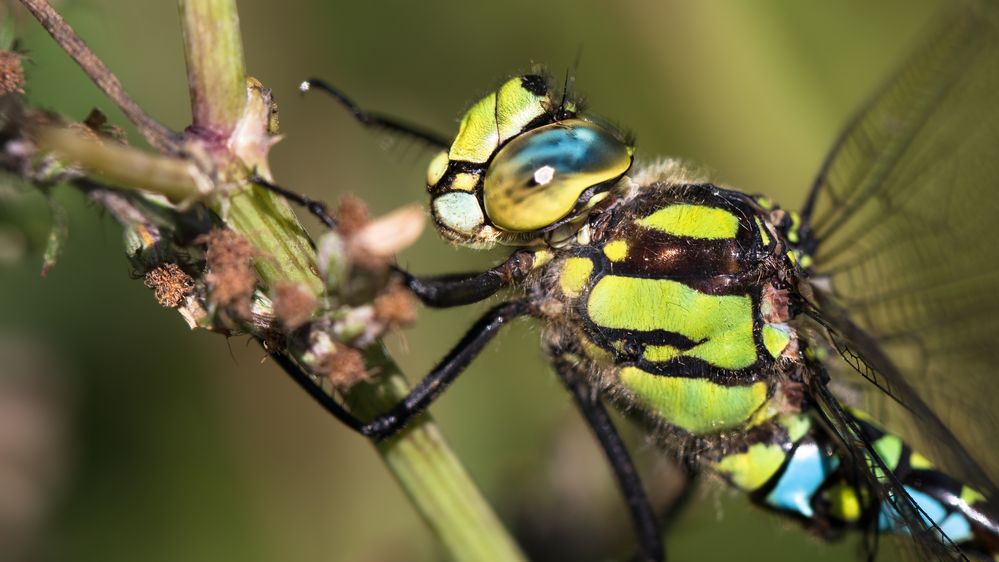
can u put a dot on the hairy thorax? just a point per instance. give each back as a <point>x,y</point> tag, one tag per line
<point>675,300</point>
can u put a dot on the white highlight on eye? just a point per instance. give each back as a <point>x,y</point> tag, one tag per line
<point>544,175</point>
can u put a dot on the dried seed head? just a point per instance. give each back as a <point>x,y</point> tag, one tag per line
<point>396,307</point>
<point>170,284</point>
<point>11,73</point>
<point>231,278</point>
<point>293,304</point>
<point>344,367</point>
<point>351,216</point>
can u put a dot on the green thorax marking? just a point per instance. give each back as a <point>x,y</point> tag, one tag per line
<point>575,276</point>
<point>723,325</point>
<point>693,221</point>
<point>696,405</point>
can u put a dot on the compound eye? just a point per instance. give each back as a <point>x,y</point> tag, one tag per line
<point>538,177</point>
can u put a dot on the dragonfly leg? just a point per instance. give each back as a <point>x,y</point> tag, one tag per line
<point>646,526</point>
<point>428,389</point>
<point>314,206</point>
<point>466,288</point>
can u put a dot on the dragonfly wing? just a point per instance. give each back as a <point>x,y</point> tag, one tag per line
<point>885,491</point>
<point>903,220</point>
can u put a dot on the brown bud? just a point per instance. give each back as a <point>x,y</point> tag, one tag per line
<point>11,73</point>
<point>170,284</point>
<point>396,307</point>
<point>344,367</point>
<point>293,304</point>
<point>352,215</point>
<point>231,278</point>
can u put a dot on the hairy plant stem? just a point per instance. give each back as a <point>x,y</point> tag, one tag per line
<point>216,74</point>
<point>421,461</point>
<point>228,140</point>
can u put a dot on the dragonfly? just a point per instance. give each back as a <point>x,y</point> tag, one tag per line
<point>834,363</point>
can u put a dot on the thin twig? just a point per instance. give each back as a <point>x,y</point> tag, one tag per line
<point>158,135</point>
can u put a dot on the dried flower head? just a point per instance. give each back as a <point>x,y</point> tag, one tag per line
<point>293,304</point>
<point>351,215</point>
<point>170,284</point>
<point>11,73</point>
<point>344,367</point>
<point>396,307</point>
<point>231,278</point>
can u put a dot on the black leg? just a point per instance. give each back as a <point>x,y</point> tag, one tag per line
<point>375,120</point>
<point>428,389</point>
<point>456,290</point>
<point>316,392</point>
<point>316,207</point>
<point>646,527</point>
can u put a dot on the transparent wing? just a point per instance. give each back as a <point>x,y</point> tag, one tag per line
<point>904,218</point>
<point>926,543</point>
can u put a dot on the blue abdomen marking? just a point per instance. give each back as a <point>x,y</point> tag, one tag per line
<point>933,512</point>
<point>804,473</point>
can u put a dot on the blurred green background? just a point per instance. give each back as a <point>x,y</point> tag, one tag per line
<point>140,440</point>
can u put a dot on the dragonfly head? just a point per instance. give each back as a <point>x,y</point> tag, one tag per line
<point>523,163</point>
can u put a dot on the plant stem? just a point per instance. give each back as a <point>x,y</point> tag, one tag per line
<point>215,70</point>
<point>124,166</point>
<point>431,475</point>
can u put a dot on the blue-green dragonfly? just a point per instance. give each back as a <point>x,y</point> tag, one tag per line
<point>833,363</point>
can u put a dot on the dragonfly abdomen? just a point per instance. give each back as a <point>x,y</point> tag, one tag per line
<point>800,470</point>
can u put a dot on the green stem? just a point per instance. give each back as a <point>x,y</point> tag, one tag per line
<point>267,221</point>
<point>432,476</point>
<point>419,458</point>
<point>124,166</point>
<point>215,71</point>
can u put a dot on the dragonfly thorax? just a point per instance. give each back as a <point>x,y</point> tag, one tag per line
<point>678,298</point>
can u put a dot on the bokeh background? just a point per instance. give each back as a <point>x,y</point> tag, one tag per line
<point>123,436</point>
